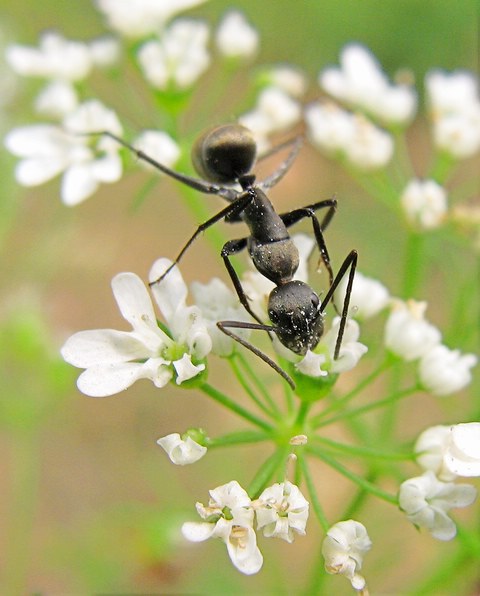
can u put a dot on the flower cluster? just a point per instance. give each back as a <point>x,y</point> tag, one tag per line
<point>281,511</point>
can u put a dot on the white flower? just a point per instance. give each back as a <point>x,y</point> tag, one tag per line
<point>443,371</point>
<point>343,549</point>
<point>142,17</point>
<point>287,77</point>
<point>159,146</point>
<point>462,452</point>
<point>349,135</point>
<point>282,510</point>
<point>55,58</point>
<point>360,82</point>
<point>450,451</point>
<point>407,333</point>
<point>48,150</point>
<point>114,360</point>
<point>367,299</point>
<point>426,500</point>
<point>424,203</point>
<point>229,516</point>
<point>104,51</point>
<point>181,451</point>
<point>235,37</point>
<point>57,99</point>
<point>178,58</point>
<point>218,303</point>
<point>455,110</point>
<point>274,112</point>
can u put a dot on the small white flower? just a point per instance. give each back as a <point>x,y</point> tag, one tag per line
<point>348,135</point>
<point>57,99</point>
<point>287,77</point>
<point>114,360</point>
<point>462,452</point>
<point>104,51</point>
<point>142,17</point>
<point>218,303</point>
<point>55,58</point>
<point>455,110</point>
<point>424,203</point>
<point>450,451</point>
<point>181,451</point>
<point>426,501</point>
<point>48,150</point>
<point>282,510</point>
<point>343,549</point>
<point>229,516</point>
<point>368,297</point>
<point>235,37</point>
<point>158,145</point>
<point>407,333</point>
<point>443,371</point>
<point>274,112</point>
<point>178,58</point>
<point>361,83</point>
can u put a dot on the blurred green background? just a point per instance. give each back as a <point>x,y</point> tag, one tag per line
<point>85,490</point>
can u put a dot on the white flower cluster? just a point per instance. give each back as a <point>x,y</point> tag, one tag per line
<point>281,511</point>
<point>411,337</point>
<point>424,203</point>
<point>445,453</point>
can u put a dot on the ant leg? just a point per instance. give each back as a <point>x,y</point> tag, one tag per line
<point>201,185</point>
<point>233,208</point>
<point>230,248</point>
<point>349,262</point>
<point>223,325</point>
<point>280,172</point>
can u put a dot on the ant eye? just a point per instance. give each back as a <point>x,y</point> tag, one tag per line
<point>315,300</point>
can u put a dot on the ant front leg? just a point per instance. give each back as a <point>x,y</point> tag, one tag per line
<point>230,248</point>
<point>292,217</point>
<point>349,263</point>
<point>231,210</point>
<point>280,172</point>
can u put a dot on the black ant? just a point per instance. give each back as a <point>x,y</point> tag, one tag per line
<point>225,155</point>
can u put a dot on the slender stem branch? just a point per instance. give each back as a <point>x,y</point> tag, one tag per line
<point>317,507</point>
<point>267,471</point>
<point>255,379</point>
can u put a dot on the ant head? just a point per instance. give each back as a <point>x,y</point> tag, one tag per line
<point>224,154</point>
<point>294,309</point>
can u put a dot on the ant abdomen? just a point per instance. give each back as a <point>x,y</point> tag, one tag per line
<point>224,153</point>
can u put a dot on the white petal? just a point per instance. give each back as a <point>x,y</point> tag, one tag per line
<point>78,184</point>
<point>185,369</point>
<point>182,452</point>
<point>171,292</point>
<point>38,170</point>
<point>197,531</point>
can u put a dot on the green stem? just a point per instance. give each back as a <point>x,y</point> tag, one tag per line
<point>223,399</point>
<point>247,388</point>
<point>317,507</point>
<point>413,263</point>
<point>267,471</point>
<point>367,452</point>
<point>238,438</point>
<point>362,482</point>
<point>255,379</point>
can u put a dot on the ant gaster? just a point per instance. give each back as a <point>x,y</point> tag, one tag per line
<point>225,155</point>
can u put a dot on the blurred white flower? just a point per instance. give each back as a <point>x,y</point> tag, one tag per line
<point>55,58</point>
<point>142,17</point>
<point>218,303</point>
<point>424,203</point>
<point>443,371</point>
<point>426,501</point>
<point>361,83</point>
<point>181,451</point>
<point>274,112</point>
<point>288,78</point>
<point>281,510</point>
<point>104,51</point>
<point>159,146</point>
<point>450,451</point>
<point>348,135</point>
<point>455,110</point>
<point>368,297</point>
<point>235,37</point>
<point>343,549</point>
<point>178,58</point>
<point>114,360</point>
<point>48,150</point>
<point>57,99</point>
<point>407,333</point>
<point>229,515</point>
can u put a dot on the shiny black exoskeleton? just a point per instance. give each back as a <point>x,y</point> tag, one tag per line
<point>224,157</point>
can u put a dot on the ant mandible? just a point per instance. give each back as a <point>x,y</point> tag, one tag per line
<point>225,155</point>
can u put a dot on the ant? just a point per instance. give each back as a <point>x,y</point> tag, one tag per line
<point>225,155</point>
